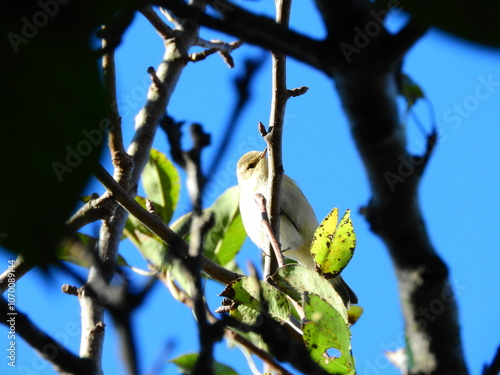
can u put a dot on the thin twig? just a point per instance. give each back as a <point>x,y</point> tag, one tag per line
<point>97,208</point>
<point>261,202</point>
<point>274,137</point>
<point>213,46</point>
<point>255,29</point>
<point>161,27</point>
<point>70,290</point>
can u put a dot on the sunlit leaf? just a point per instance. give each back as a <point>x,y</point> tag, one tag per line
<point>224,240</point>
<point>323,237</point>
<point>326,336</point>
<point>249,292</point>
<point>161,183</point>
<point>332,247</point>
<point>295,280</point>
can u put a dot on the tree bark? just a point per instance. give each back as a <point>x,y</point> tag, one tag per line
<point>429,307</point>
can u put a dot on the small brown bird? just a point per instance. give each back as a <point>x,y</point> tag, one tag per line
<point>297,219</point>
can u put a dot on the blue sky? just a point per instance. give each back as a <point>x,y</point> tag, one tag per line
<point>459,192</point>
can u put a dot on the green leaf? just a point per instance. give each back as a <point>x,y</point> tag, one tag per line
<point>134,227</point>
<point>248,292</point>
<point>153,250</point>
<point>295,280</point>
<point>245,314</point>
<point>333,248</point>
<point>225,238</point>
<point>161,183</point>
<point>186,362</point>
<point>326,336</point>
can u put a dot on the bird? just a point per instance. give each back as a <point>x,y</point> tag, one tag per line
<point>298,221</point>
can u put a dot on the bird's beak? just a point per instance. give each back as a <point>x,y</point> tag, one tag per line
<point>263,153</point>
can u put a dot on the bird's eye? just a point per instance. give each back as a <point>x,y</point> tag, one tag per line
<point>251,165</point>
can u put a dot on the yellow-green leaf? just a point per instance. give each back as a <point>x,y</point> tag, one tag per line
<point>186,362</point>
<point>333,247</point>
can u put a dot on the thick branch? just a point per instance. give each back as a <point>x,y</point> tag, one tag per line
<point>369,99</point>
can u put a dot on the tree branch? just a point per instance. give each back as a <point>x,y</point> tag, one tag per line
<point>97,208</point>
<point>274,137</point>
<point>20,268</point>
<point>62,359</point>
<point>400,43</point>
<point>199,227</point>
<point>161,27</point>
<point>369,99</point>
<point>158,227</point>
<point>254,29</point>
<point>261,202</point>
<point>164,81</point>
